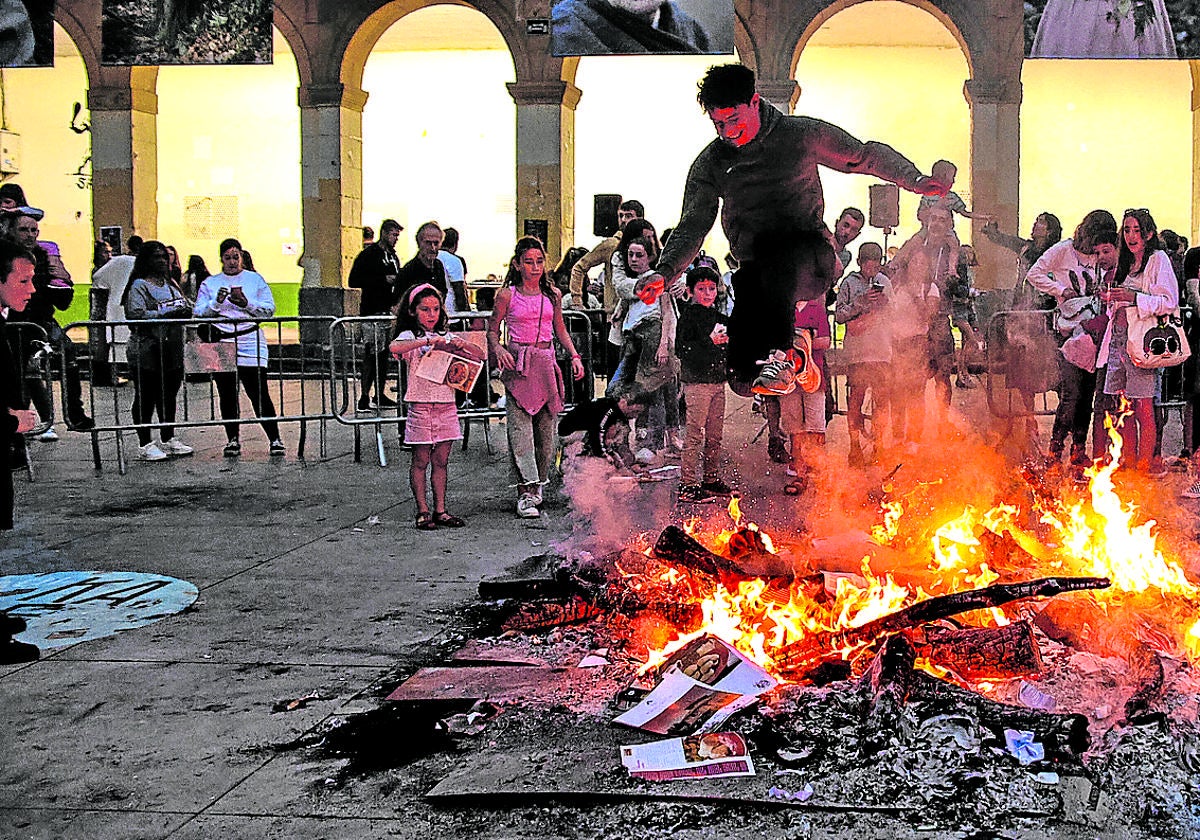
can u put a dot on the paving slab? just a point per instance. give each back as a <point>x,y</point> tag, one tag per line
<point>151,736</point>
<point>88,823</point>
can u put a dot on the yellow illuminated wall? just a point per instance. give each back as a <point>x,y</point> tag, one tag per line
<point>1107,134</point>
<point>37,104</point>
<point>637,130</point>
<point>906,91</point>
<point>439,137</point>
<point>232,132</point>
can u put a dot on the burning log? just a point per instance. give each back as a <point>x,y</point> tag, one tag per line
<point>982,652</point>
<point>889,682</point>
<point>808,652</point>
<point>542,615</point>
<point>679,548</point>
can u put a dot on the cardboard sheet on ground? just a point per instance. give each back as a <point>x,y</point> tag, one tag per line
<point>702,685</point>
<point>505,684</point>
<point>62,608</point>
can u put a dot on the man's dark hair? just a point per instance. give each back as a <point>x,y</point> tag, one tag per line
<point>854,213</point>
<point>133,244</point>
<point>726,86</point>
<point>1170,240</point>
<point>368,232</point>
<point>1094,224</point>
<point>449,239</point>
<point>389,225</point>
<point>1107,237</point>
<point>634,205</point>
<point>10,252</point>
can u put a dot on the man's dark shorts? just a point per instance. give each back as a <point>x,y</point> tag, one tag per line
<point>789,266</point>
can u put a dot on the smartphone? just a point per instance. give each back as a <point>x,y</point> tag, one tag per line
<point>877,286</point>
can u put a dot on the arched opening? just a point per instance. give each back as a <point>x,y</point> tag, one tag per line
<point>229,165</point>
<point>1110,134</point>
<point>50,157</point>
<point>637,130</point>
<point>889,71</point>
<point>438,138</point>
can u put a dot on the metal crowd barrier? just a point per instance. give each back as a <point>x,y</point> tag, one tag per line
<point>32,355</point>
<point>301,363</point>
<point>1022,363</point>
<point>347,354</point>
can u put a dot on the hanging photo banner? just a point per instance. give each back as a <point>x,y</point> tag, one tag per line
<point>1112,29</point>
<point>641,27</point>
<point>63,608</point>
<point>26,33</point>
<point>156,32</point>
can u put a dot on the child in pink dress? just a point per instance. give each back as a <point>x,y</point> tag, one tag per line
<point>432,425</point>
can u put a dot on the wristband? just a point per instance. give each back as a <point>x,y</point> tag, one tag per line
<point>576,356</point>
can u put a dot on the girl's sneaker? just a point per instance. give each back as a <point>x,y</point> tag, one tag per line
<point>278,449</point>
<point>233,449</point>
<point>176,448</point>
<point>1192,492</point>
<point>151,452</point>
<point>527,506</point>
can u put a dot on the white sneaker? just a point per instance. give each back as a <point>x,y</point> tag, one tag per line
<point>48,436</point>
<point>645,456</point>
<point>527,507</point>
<point>1192,492</point>
<point>176,448</point>
<point>502,401</point>
<point>151,452</point>
<point>537,495</point>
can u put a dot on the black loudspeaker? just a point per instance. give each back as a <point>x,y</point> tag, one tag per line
<point>884,205</point>
<point>604,214</point>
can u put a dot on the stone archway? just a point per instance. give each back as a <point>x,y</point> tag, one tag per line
<point>991,40</point>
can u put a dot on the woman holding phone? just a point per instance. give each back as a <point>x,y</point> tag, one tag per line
<point>237,294</point>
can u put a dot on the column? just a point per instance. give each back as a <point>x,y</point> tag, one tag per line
<point>546,160</point>
<point>124,120</point>
<point>782,93</point>
<point>995,169</point>
<point>331,181</point>
<point>1193,232</point>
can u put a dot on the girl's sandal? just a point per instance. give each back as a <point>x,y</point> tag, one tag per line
<point>448,520</point>
<point>793,488</point>
<point>425,522</point>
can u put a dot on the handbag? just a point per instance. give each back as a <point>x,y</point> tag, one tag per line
<point>1081,351</point>
<point>1072,313</point>
<point>201,356</point>
<point>1156,341</point>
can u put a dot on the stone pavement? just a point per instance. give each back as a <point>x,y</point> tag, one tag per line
<point>311,578</point>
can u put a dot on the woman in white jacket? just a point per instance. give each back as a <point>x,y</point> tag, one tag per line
<point>1144,285</point>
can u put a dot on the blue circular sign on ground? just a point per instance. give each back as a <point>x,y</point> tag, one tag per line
<point>63,608</point>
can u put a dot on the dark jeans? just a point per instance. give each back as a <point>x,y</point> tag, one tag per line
<point>254,380</point>
<point>788,266</point>
<point>155,389</point>
<point>1076,388</point>
<point>374,369</point>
